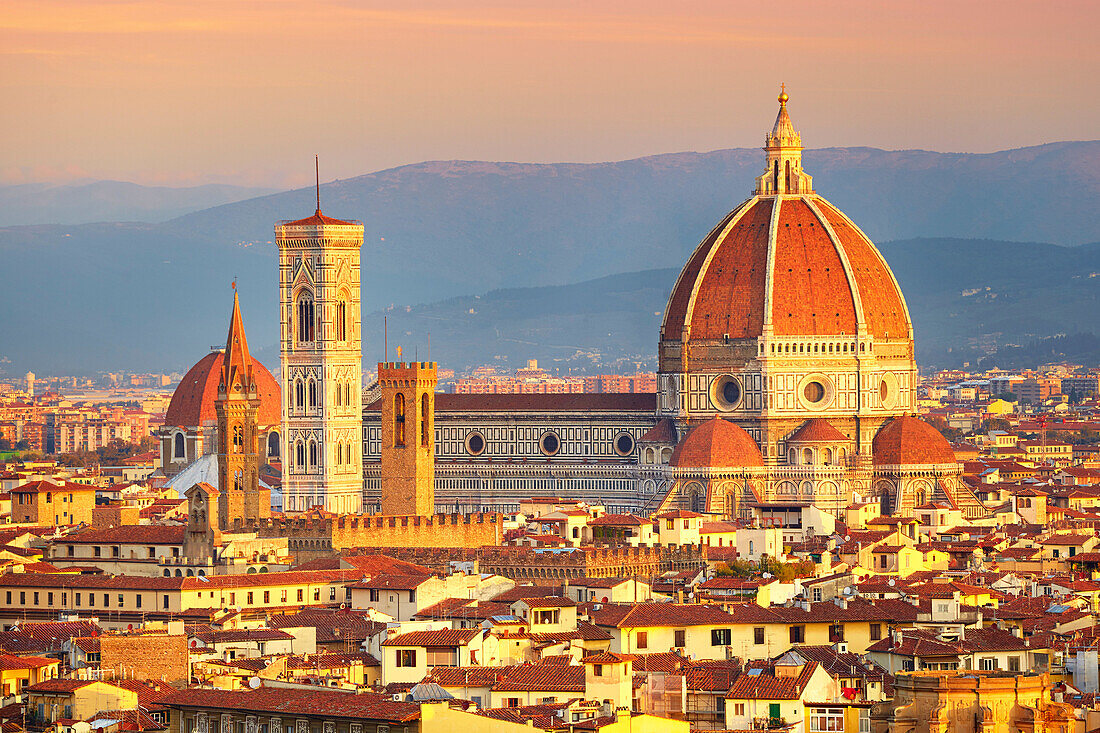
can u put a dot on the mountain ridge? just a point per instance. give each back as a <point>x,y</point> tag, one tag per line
<point>108,296</point>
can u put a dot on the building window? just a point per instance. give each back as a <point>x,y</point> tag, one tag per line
<point>826,719</point>
<point>758,635</point>
<point>267,596</point>
<point>299,393</point>
<point>798,634</point>
<point>425,420</point>
<point>178,450</point>
<point>341,321</point>
<point>876,632</point>
<point>300,454</point>
<point>988,664</point>
<point>1013,664</point>
<point>836,632</point>
<point>312,393</point>
<point>312,454</point>
<point>643,640</point>
<point>248,598</point>
<point>238,439</point>
<point>398,420</point>
<point>406,657</point>
<point>720,637</point>
<point>679,638</point>
<point>305,318</point>
<point>301,595</point>
<point>597,670</point>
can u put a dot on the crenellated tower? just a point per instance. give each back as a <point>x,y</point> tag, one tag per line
<point>408,437</point>
<point>321,351</point>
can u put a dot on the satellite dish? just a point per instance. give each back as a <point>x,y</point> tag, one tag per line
<point>766,576</point>
<point>893,582</point>
<point>847,538</point>
<point>254,682</point>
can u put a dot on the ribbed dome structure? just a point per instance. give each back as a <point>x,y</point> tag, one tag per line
<point>192,403</point>
<point>717,443</point>
<point>788,265</point>
<point>910,441</point>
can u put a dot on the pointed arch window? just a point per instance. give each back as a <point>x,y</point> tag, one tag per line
<point>238,438</point>
<point>178,449</point>
<point>775,177</point>
<point>305,318</point>
<point>312,454</point>
<point>398,420</point>
<point>238,481</point>
<point>341,320</point>
<point>300,454</point>
<point>425,421</point>
<point>788,175</point>
<point>339,394</point>
<point>299,394</point>
<point>312,393</point>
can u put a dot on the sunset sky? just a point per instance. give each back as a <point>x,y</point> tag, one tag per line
<point>196,91</point>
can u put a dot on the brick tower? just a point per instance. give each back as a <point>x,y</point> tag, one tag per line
<point>321,354</point>
<point>238,439</point>
<point>408,437</point>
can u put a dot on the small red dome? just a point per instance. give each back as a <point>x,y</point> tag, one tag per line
<point>825,276</point>
<point>818,430</point>
<point>717,443</point>
<point>192,403</point>
<point>910,441</point>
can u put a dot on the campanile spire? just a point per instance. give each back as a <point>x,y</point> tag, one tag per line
<point>783,145</point>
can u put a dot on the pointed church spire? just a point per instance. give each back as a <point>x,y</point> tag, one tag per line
<point>783,146</point>
<point>237,364</point>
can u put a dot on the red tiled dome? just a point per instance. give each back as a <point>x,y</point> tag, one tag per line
<point>817,430</point>
<point>826,275</point>
<point>193,401</point>
<point>717,443</point>
<point>910,441</point>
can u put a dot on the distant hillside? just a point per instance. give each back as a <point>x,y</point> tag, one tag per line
<point>967,298</point>
<point>154,296</point>
<point>43,203</point>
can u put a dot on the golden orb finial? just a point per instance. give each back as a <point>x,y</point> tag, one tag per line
<point>783,94</point>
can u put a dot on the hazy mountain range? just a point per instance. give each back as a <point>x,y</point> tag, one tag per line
<point>82,298</point>
<point>77,203</point>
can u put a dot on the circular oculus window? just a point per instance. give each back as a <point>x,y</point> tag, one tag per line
<point>815,392</point>
<point>550,443</point>
<point>624,444</point>
<point>475,444</point>
<point>726,392</point>
<point>888,390</point>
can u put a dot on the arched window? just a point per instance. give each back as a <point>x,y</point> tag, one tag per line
<point>312,393</point>
<point>238,439</point>
<point>425,420</point>
<point>300,454</point>
<point>807,456</point>
<point>178,450</point>
<point>312,454</point>
<point>827,456</point>
<point>349,400</point>
<point>775,177</point>
<point>788,175</point>
<point>840,455</point>
<point>238,481</point>
<point>299,394</point>
<point>49,497</point>
<point>398,419</point>
<point>339,395</point>
<point>341,321</point>
<point>305,318</point>
<point>272,444</point>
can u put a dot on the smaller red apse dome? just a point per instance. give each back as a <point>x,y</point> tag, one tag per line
<point>717,443</point>
<point>192,403</point>
<point>910,441</point>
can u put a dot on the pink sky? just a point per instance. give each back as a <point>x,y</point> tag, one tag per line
<point>194,91</point>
